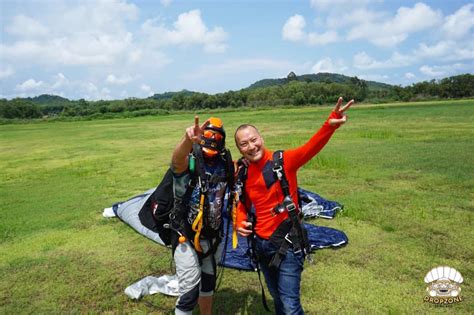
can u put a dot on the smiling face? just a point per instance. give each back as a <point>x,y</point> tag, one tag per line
<point>250,143</point>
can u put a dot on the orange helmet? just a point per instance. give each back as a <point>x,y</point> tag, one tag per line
<point>213,138</point>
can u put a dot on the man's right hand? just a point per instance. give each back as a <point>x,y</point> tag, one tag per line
<point>246,228</point>
<point>179,160</point>
<point>194,133</point>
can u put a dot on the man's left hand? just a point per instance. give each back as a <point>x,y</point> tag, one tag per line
<point>340,111</point>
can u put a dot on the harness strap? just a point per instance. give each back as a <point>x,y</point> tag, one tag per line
<point>295,236</point>
<point>255,258</point>
<point>276,259</point>
<point>239,189</point>
<point>235,239</point>
<point>264,298</point>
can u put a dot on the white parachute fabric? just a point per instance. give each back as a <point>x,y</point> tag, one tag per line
<point>166,284</point>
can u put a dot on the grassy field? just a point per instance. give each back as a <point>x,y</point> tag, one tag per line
<point>403,171</point>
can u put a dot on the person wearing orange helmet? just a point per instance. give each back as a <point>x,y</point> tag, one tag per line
<point>203,173</point>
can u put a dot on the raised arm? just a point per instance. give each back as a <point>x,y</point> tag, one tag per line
<point>301,155</point>
<point>179,160</point>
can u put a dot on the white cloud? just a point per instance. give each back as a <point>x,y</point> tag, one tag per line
<point>431,71</point>
<point>112,79</point>
<point>323,39</point>
<point>409,75</point>
<point>29,85</point>
<point>105,94</point>
<point>147,89</point>
<point>389,32</point>
<point>165,3</point>
<point>444,70</point>
<point>93,92</point>
<point>446,50</point>
<point>189,29</point>
<point>363,61</point>
<point>77,49</point>
<point>460,23</point>
<point>96,17</point>
<point>374,77</point>
<point>26,26</point>
<point>328,65</point>
<point>6,72</point>
<point>238,66</point>
<point>135,56</point>
<point>60,81</point>
<point>293,30</point>
<point>354,17</point>
<point>93,33</point>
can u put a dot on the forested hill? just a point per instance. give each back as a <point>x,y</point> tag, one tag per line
<point>321,77</point>
<point>46,99</point>
<point>170,95</point>
<point>308,89</point>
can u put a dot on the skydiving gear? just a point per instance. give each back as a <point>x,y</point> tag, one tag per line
<point>212,134</point>
<point>291,231</point>
<point>196,221</point>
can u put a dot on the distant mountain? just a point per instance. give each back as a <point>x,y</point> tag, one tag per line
<point>46,99</point>
<point>170,95</point>
<point>322,77</point>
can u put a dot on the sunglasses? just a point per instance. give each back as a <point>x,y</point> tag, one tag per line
<point>211,134</point>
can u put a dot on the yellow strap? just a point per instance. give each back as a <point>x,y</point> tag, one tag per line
<point>197,225</point>
<point>235,240</point>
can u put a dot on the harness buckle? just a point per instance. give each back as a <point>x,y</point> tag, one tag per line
<point>238,188</point>
<point>278,170</point>
<point>202,187</point>
<point>291,207</point>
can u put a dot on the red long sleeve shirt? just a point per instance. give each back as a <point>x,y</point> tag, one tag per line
<point>265,199</point>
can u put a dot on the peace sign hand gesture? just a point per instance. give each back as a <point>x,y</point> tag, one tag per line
<point>340,112</point>
<point>195,132</point>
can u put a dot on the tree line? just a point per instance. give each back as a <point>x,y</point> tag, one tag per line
<point>291,92</point>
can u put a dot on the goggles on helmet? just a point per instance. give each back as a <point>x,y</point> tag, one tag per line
<point>211,134</point>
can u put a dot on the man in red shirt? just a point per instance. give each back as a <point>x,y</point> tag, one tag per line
<point>266,194</point>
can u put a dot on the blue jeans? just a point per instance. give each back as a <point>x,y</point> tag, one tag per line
<point>284,282</point>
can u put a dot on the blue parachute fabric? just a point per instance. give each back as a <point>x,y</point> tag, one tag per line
<point>313,205</point>
<point>239,258</point>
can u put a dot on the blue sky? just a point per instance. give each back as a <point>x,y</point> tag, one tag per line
<point>123,48</point>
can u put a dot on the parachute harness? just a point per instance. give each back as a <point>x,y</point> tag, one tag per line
<point>198,221</point>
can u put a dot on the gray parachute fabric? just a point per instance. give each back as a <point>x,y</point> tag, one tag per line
<point>130,212</point>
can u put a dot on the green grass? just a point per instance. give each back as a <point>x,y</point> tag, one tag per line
<point>403,171</point>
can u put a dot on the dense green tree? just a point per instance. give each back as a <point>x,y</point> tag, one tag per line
<point>19,108</point>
